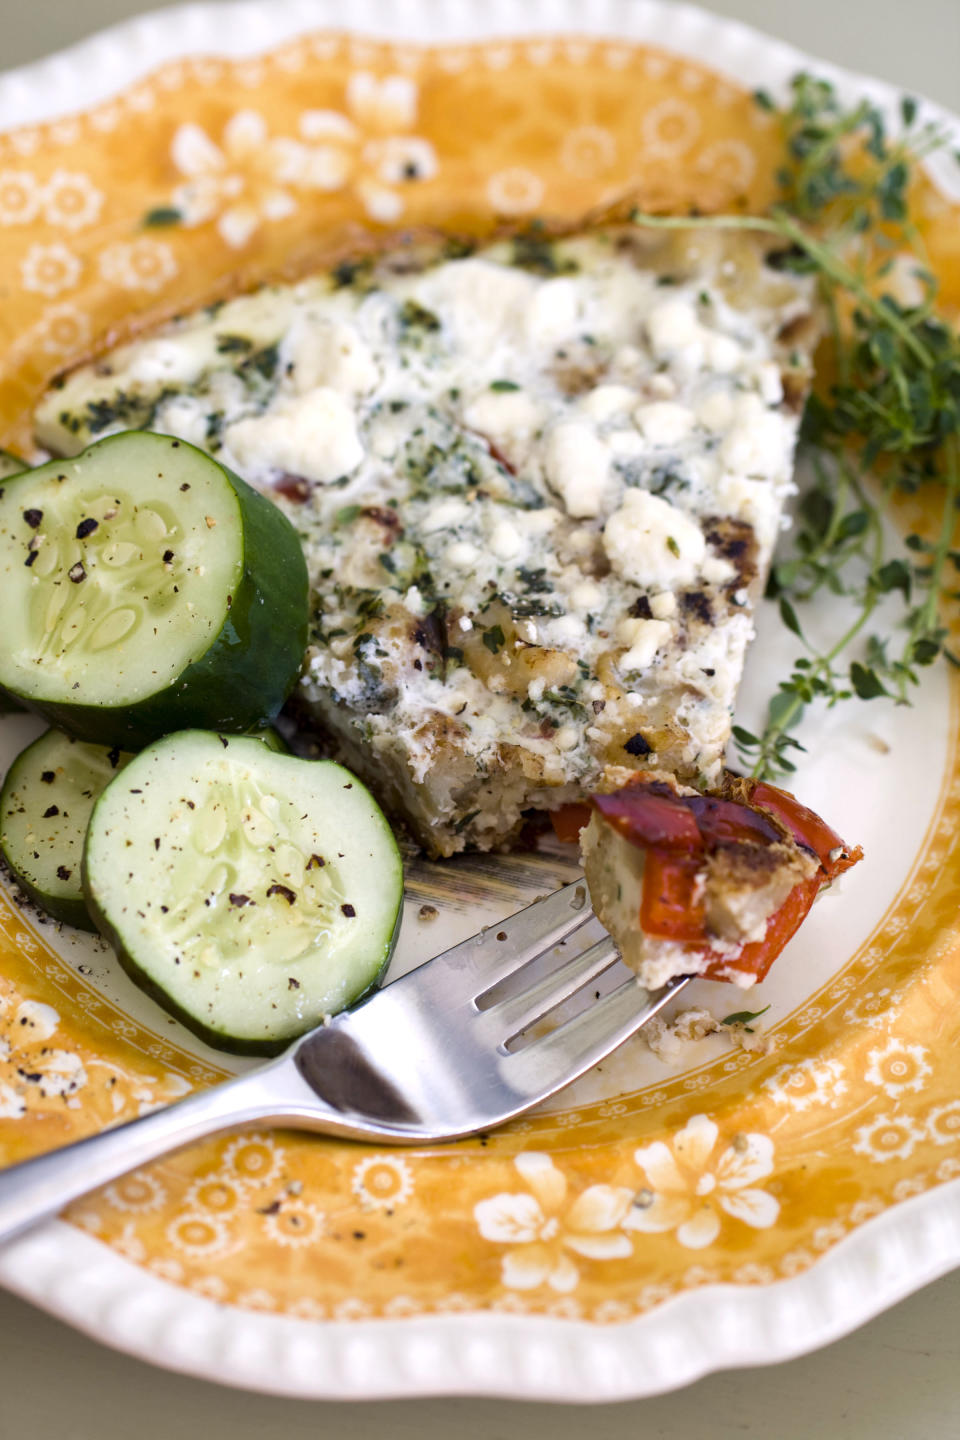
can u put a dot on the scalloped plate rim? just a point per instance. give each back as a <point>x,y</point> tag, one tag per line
<point>891,1255</point>
<point>77,1278</point>
<point>157,36</point>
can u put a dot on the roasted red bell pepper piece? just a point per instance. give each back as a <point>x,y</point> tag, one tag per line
<point>725,822</point>
<point>653,820</point>
<point>568,821</point>
<point>807,827</point>
<point>671,907</point>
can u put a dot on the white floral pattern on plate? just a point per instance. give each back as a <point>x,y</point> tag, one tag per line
<point>249,177</point>
<point>809,1082</point>
<point>138,1193</point>
<point>897,1066</point>
<point>70,201</point>
<point>62,330</point>
<point>544,1228</point>
<point>20,196</point>
<point>216,1194</point>
<point>693,1178</point>
<point>50,269</point>
<point>943,1123</point>
<point>888,1137</point>
<point>382,1181</point>
<point>199,1234</point>
<point>515,191</point>
<point>254,1158</point>
<point>293,1223</point>
<point>140,265</point>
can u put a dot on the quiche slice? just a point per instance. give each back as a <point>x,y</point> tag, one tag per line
<point>711,884</point>
<point>538,483</point>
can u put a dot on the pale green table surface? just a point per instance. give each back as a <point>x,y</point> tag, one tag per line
<point>898,1378</point>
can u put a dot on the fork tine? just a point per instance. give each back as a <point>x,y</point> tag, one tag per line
<point>420,1060</point>
<point>518,1011</point>
<point>468,970</point>
<point>553,1060</point>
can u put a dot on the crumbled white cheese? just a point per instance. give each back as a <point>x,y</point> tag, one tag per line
<point>481,302</point>
<point>671,326</point>
<point>503,414</point>
<point>587,597</point>
<point>626,444</point>
<point>664,422</point>
<point>536,522</point>
<point>721,353</point>
<point>758,443</point>
<point>565,629</point>
<point>328,352</point>
<point>552,312</point>
<point>461,552</point>
<point>577,463</point>
<point>387,435</point>
<point>715,410</point>
<point>663,606</point>
<point>717,571</point>
<point>445,514</point>
<point>608,400</point>
<point>182,415</point>
<point>663,386</point>
<point>581,542</point>
<point>414,602</point>
<point>566,738</point>
<point>739,495</point>
<point>313,436</point>
<point>506,541</point>
<point>170,361</point>
<point>627,629</point>
<point>769,383</point>
<point>628,357</point>
<point>716,649</point>
<point>652,543</point>
<point>644,637</point>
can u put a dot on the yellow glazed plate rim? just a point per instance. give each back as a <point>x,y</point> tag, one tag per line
<point>121,1291</point>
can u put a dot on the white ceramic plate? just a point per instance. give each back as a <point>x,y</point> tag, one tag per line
<point>495,1352</point>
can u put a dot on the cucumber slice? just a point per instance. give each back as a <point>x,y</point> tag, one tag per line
<point>272,739</point>
<point>11,465</point>
<point>45,805</point>
<point>250,893</point>
<point>146,589</point>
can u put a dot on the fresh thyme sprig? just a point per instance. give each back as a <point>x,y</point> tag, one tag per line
<point>891,410</point>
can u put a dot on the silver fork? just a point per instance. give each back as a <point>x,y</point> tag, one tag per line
<point>435,1055</point>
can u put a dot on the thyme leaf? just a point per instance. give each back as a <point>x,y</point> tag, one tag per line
<point>744,1017</point>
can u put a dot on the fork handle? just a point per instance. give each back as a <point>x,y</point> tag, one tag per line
<point>36,1189</point>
